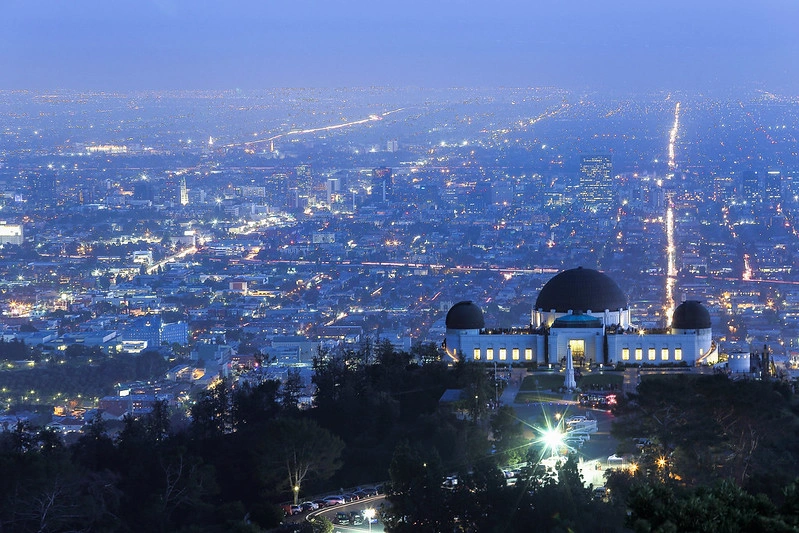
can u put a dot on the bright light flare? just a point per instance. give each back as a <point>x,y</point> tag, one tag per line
<point>552,439</point>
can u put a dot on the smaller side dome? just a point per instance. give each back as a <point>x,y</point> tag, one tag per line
<point>690,314</point>
<point>465,315</point>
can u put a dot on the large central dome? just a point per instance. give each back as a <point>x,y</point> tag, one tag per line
<point>581,289</point>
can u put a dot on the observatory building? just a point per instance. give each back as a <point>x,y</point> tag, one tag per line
<point>583,310</point>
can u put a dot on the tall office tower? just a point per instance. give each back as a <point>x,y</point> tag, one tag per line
<point>723,188</point>
<point>382,183</point>
<point>143,191</point>
<point>303,173</point>
<point>596,183</point>
<point>42,188</point>
<point>333,188</point>
<point>392,146</point>
<point>772,190</point>
<point>750,187</point>
<point>184,192</point>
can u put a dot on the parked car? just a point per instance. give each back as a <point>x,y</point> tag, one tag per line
<point>320,503</point>
<point>290,509</point>
<point>601,493</point>
<point>349,497</point>
<point>370,491</point>
<point>342,518</point>
<point>357,518</point>
<point>334,500</point>
<point>309,506</point>
<point>289,528</point>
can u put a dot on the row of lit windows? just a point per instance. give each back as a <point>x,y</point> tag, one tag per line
<point>503,354</point>
<point>651,354</point>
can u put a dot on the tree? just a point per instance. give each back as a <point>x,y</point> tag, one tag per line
<point>418,501</point>
<point>723,507</point>
<point>291,390</point>
<point>508,437</point>
<point>212,412</point>
<point>255,404</point>
<point>302,450</point>
<point>710,427</point>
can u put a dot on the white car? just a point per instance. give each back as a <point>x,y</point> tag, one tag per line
<point>334,500</point>
<point>309,506</point>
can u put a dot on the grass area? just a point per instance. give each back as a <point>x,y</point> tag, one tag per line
<point>543,386</point>
<point>534,397</point>
<point>554,381</point>
<point>597,380</point>
<point>542,382</point>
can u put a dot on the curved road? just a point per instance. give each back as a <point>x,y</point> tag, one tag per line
<point>374,502</point>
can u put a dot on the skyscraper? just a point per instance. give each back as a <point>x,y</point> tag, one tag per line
<point>184,192</point>
<point>596,183</point>
<point>750,187</point>
<point>772,188</point>
<point>383,183</point>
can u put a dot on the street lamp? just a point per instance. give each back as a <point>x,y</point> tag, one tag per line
<point>296,493</point>
<point>552,439</point>
<point>369,514</point>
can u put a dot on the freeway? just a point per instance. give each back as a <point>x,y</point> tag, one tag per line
<point>172,258</point>
<point>401,264</point>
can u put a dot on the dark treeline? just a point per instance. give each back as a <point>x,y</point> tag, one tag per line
<point>80,370</point>
<point>248,447</point>
<point>242,451</point>
<point>719,456</point>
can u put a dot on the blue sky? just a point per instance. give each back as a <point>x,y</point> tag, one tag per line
<point>611,44</point>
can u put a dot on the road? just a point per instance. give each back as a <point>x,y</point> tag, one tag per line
<point>375,502</point>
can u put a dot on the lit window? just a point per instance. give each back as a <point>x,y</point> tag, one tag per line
<point>515,354</point>
<point>639,354</point>
<point>625,354</point>
<point>477,354</point>
<point>503,354</point>
<point>651,354</point>
<point>490,354</point>
<point>528,354</point>
<point>678,354</point>
<point>664,354</point>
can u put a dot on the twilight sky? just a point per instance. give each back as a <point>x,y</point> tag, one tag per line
<point>250,44</point>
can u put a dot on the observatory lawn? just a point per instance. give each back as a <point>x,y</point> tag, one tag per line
<point>543,386</point>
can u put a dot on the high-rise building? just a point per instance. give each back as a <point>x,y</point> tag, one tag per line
<point>333,188</point>
<point>383,183</point>
<point>143,191</point>
<point>184,192</point>
<point>750,187</point>
<point>42,188</point>
<point>596,182</point>
<point>772,188</point>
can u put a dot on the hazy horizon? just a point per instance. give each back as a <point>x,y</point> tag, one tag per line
<point>582,45</point>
